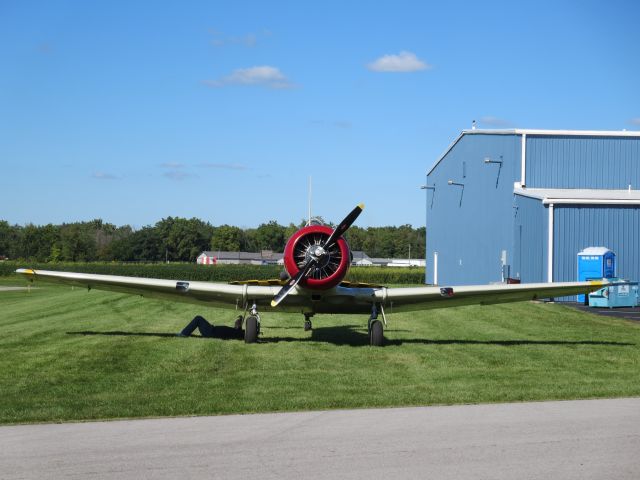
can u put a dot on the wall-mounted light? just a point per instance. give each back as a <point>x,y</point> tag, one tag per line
<point>451,182</point>
<point>427,187</point>
<point>489,160</point>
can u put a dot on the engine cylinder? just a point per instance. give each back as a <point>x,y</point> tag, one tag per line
<point>332,267</point>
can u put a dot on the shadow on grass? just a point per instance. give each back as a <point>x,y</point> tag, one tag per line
<point>353,336</point>
<point>350,335</point>
<point>147,334</point>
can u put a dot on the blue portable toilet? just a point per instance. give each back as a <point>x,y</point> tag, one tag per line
<point>595,263</point>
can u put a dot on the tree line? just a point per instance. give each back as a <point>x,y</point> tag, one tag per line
<point>182,239</point>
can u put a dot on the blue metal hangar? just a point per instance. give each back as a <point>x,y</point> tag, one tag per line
<point>521,204</point>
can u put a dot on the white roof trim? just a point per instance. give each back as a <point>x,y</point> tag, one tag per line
<point>574,196</point>
<point>559,133</point>
<point>533,132</point>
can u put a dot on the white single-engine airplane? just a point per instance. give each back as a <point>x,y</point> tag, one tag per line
<point>316,259</point>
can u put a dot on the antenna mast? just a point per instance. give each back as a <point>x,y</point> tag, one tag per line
<point>309,221</point>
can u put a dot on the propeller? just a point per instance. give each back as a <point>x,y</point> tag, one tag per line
<point>318,253</point>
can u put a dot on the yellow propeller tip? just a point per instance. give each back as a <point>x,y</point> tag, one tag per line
<point>273,303</point>
<point>361,205</point>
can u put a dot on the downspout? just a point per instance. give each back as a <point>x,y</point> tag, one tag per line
<point>550,245</point>
<point>523,161</point>
<point>435,268</point>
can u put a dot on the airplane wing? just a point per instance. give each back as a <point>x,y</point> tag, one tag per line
<point>212,294</point>
<point>342,299</point>
<point>422,298</point>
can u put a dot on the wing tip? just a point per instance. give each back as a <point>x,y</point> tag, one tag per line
<point>26,271</point>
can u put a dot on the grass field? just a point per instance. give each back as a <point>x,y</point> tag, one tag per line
<point>74,355</point>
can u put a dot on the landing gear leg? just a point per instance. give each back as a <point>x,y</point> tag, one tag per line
<point>307,321</point>
<point>375,328</point>
<point>252,326</point>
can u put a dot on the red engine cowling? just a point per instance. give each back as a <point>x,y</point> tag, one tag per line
<point>331,269</point>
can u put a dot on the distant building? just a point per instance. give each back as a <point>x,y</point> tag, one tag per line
<point>265,257</point>
<point>361,259</point>
<point>399,262</point>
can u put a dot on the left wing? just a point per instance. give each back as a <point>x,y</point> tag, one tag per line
<point>421,298</point>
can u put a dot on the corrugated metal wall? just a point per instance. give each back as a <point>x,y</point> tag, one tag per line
<point>531,224</point>
<point>582,162</point>
<point>470,226</point>
<point>615,227</point>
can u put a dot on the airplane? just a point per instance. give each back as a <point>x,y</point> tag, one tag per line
<point>316,260</point>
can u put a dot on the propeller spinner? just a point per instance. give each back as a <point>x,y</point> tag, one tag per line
<point>318,256</point>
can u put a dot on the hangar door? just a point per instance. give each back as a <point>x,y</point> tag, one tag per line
<point>576,227</point>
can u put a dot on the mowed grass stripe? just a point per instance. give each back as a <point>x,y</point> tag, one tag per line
<point>69,354</point>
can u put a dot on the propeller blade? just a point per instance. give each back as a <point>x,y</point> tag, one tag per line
<point>284,291</point>
<point>344,226</point>
<point>303,272</point>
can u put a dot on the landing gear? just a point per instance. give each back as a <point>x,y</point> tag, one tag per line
<point>307,321</point>
<point>376,335</point>
<point>375,328</point>
<point>252,326</point>
<point>251,329</point>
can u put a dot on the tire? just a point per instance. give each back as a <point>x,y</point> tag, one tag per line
<point>251,330</point>
<point>376,334</point>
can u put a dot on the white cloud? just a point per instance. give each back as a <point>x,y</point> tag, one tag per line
<point>223,166</point>
<point>104,176</point>
<point>343,124</point>
<point>219,39</point>
<point>265,76</point>
<point>403,62</point>
<point>172,165</point>
<point>495,121</point>
<point>177,175</point>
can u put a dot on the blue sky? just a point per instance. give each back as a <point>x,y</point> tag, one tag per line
<point>134,111</point>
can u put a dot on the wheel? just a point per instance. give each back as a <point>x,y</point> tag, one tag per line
<point>307,325</point>
<point>376,335</point>
<point>251,330</point>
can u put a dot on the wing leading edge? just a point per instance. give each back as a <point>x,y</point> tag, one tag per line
<point>422,298</point>
<point>212,294</point>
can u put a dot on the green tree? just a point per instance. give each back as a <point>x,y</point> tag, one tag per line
<point>227,238</point>
<point>183,238</point>
<point>270,236</point>
<point>8,238</point>
<point>76,243</point>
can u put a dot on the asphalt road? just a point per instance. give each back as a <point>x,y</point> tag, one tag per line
<point>630,313</point>
<point>593,439</point>
<point>12,289</point>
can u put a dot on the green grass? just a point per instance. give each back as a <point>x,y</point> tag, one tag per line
<point>66,354</point>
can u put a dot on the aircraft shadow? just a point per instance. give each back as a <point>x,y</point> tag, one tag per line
<point>147,334</point>
<point>349,335</point>
<point>354,336</point>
